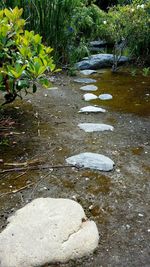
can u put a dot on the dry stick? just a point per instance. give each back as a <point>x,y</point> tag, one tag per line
<point>37,184</point>
<point>20,175</point>
<point>17,190</point>
<point>37,168</point>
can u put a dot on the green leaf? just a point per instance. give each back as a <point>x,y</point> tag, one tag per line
<point>22,84</point>
<point>34,88</point>
<point>44,82</point>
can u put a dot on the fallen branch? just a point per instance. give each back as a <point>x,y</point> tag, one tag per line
<point>16,190</point>
<point>38,167</point>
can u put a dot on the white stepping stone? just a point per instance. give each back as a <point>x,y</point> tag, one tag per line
<point>89,96</point>
<point>105,96</point>
<point>93,109</point>
<point>46,231</point>
<point>84,80</point>
<point>87,72</point>
<point>95,127</point>
<point>89,87</point>
<point>92,161</point>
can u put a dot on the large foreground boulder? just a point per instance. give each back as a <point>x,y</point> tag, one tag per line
<point>98,61</point>
<point>46,231</point>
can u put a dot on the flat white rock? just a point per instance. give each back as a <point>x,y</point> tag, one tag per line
<point>84,80</point>
<point>45,231</point>
<point>92,161</point>
<point>89,96</point>
<point>95,127</point>
<point>87,72</point>
<point>89,109</point>
<point>105,96</point>
<point>89,87</point>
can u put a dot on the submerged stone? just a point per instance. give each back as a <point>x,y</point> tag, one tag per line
<point>90,87</point>
<point>91,109</point>
<point>95,127</point>
<point>105,97</point>
<point>89,96</point>
<point>84,80</point>
<point>46,231</point>
<point>87,72</point>
<point>92,161</point>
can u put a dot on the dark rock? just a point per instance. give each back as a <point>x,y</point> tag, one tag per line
<point>98,61</point>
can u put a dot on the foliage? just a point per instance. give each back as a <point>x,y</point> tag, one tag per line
<point>86,24</point>
<point>23,57</point>
<point>129,26</point>
<point>65,25</point>
<point>146,71</point>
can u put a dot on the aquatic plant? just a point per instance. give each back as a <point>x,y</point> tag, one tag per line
<point>23,58</point>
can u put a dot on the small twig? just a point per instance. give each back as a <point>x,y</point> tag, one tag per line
<point>37,168</point>
<point>20,175</point>
<point>37,184</point>
<point>17,190</point>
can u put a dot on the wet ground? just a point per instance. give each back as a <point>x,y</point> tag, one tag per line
<point>44,132</point>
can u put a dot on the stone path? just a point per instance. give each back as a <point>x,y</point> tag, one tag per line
<point>89,96</point>
<point>88,159</point>
<point>56,230</point>
<point>92,161</point>
<point>105,97</point>
<point>89,87</point>
<point>95,127</point>
<point>93,109</point>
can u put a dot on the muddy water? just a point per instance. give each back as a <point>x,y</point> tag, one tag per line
<point>130,93</point>
<point>45,133</point>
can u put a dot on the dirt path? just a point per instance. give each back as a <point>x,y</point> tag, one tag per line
<point>118,201</point>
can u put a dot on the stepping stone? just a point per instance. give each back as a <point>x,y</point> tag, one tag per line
<point>84,80</point>
<point>92,161</point>
<point>47,231</point>
<point>89,88</point>
<point>89,96</point>
<point>91,109</point>
<point>105,96</point>
<point>95,127</point>
<point>87,72</point>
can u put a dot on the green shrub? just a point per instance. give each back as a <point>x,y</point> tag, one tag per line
<point>23,58</point>
<point>64,24</point>
<point>130,25</point>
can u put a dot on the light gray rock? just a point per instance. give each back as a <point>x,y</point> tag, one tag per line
<point>91,109</point>
<point>89,96</point>
<point>98,43</point>
<point>98,61</point>
<point>87,72</point>
<point>105,97</point>
<point>95,127</point>
<point>47,230</point>
<point>84,80</point>
<point>89,87</point>
<point>92,161</point>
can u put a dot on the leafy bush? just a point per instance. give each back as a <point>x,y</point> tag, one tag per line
<point>129,27</point>
<point>23,57</point>
<point>65,25</point>
<point>86,24</point>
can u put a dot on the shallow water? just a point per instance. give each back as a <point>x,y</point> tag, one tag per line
<point>46,130</point>
<point>130,93</point>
